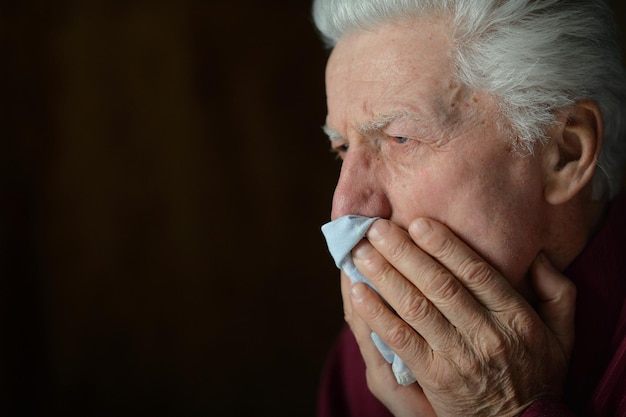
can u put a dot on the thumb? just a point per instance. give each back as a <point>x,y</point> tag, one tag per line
<point>557,301</point>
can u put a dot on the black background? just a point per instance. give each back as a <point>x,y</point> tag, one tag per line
<point>163,180</point>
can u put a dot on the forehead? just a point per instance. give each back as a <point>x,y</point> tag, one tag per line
<point>420,41</point>
<point>393,68</point>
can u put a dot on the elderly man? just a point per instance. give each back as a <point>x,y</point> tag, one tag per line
<point>488,137</point>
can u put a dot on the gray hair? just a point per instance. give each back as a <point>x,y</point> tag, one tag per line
<point>535,56</point>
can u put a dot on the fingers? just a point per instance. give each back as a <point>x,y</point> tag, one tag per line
<point>402,295</point>
<point>481,280</point>
<point>405,340</point>
<point>376,364</point>
<point>557,301</point>
<point>424,292</point>
<point>459,326</point>
<point>400,400</point>
<point>345,296</point>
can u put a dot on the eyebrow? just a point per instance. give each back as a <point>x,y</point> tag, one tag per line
<point>331,133</point>
<point>383,121</point>
<point>375,125</point>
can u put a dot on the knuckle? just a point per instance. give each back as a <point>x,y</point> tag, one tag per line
<point>472,368</point>
<point>375,312</point>
<point>399,337</point>
<point>399,250</point>
<point>443,286</point>
<point>415,309</point>
<point>521,327</point>
<point>376,269</point>
<point>441,246</point>
<point>381,272</point>
<point>474,271</point>
<point>347,317</point>
<point>493,344</point>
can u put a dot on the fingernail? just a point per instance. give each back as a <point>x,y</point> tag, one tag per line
<point>358,291</point>
<point>378,229</point>
<point>420,227</point>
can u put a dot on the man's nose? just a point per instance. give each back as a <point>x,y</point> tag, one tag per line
<point>360,189</point>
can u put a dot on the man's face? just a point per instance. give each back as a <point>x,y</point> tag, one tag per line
<point>416,143</point>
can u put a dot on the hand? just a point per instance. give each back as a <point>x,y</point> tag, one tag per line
<point>401,401</point>
<point>474,344</point>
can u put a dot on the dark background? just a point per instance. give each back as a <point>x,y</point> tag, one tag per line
<point>163,180</point>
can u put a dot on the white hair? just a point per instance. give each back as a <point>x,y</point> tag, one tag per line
<point>535,56</point>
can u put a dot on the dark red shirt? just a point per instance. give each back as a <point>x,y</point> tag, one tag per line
<point>596,385</point>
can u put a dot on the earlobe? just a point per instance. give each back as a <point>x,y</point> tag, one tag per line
<point>570,159</point>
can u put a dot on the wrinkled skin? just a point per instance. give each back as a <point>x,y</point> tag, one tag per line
<point>471,340</point>
<point>416,144</point>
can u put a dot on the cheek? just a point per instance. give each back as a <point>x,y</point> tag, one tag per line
<point>418,193</point>
<point>497,215</point>
<point>502,220</point>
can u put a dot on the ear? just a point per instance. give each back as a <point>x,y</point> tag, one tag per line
<point>570,157</point>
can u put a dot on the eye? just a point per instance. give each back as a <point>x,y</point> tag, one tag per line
<point>340,149</point>
<point>401,139</point>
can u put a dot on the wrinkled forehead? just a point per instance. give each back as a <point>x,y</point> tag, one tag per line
<point>393,67</point>
<point>403,45</point>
